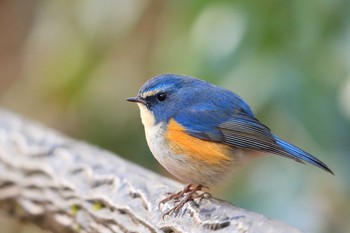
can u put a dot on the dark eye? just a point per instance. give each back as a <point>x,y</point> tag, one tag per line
<point>161,96</point>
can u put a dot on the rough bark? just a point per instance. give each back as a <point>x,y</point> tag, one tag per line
<point>69,186</point>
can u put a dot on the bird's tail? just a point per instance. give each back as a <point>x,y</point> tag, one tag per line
<point>299,155</point>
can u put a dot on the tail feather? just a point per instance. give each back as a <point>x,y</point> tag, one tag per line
<point>299,154</point>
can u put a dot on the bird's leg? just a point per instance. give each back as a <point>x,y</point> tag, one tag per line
<point>189,195</point>
<point>175,195</point>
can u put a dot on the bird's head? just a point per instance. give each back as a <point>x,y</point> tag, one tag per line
<point>161,97</point>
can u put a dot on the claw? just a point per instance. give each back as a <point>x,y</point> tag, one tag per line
<point>204,195</point>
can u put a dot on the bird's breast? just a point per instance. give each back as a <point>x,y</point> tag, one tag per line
<point>197,149</point>
<point>155,137</point>
<point>188,158</point>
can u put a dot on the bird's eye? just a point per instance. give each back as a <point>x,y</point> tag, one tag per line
<point>161,96</point>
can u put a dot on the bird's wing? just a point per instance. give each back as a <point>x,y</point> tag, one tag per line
<point>226,118</point>
<point>236,128</point>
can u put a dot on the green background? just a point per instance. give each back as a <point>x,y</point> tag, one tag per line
<point>72,64</point>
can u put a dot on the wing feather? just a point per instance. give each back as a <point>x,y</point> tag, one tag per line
<point>248,133</point>
<point>238,129</point>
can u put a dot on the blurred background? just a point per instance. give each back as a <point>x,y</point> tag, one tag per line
<point>71,64</point>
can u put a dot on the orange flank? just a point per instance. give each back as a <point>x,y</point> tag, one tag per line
<point>197,149</point>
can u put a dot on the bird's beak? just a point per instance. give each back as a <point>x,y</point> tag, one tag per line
<point>137,99</point>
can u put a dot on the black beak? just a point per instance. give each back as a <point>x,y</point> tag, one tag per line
<point>136,100</point>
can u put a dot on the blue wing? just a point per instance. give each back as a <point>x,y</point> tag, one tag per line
<point>237,126</point>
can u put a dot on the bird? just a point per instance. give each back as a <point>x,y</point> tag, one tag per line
<point>201,133</point>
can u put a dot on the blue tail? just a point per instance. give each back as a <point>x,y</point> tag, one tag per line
<point>299,155</point>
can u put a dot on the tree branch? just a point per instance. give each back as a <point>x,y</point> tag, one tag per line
<point>69,186</point>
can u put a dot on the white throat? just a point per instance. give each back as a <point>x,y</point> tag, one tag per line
<point>147,116</point>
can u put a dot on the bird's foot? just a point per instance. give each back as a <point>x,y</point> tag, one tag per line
<point>182,197</point>
<point>176,196</point>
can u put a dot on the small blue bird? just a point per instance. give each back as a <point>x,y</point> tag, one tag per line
<point>201,132</point>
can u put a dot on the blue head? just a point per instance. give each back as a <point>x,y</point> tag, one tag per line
<point>164,96</point>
